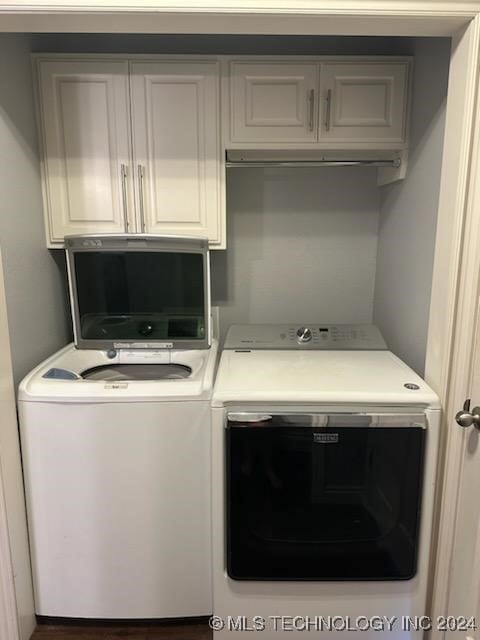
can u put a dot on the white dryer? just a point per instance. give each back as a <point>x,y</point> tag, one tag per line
<point>324,456</point>
<point>115,436</point>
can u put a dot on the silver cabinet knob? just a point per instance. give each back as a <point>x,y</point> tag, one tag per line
<point>304,334</point>
<point>466,418</point>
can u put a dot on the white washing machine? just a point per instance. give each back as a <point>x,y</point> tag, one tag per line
<point>324,455</point>
<point>116,437</point>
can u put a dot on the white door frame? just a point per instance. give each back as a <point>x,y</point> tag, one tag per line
<point>459,212</point>
<point>462,336</point>
<point>9,627</point>
<point>8,605</point>
<point>276,17</point>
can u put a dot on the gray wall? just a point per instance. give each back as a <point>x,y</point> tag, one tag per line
<point>408,215</point>
<point>217,44</point>
<point>301,246</point>
<point>35,292</point>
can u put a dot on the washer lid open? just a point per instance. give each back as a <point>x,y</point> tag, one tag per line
<point>116,372</point>
<point>139,291</point>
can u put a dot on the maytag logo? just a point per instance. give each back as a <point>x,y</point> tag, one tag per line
<point>325,438</point>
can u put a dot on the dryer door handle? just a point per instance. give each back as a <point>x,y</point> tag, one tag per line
<point>319,420</point>
<point>249,419</point>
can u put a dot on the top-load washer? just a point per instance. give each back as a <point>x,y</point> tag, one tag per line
<point>116,436</point>
<point>324,453</point>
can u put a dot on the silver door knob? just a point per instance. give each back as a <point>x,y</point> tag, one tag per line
<point>466,418</point>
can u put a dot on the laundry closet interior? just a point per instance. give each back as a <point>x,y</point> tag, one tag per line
<point>301,242</point>
<point>302,235</point>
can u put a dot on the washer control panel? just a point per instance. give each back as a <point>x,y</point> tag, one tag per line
<point>309,337</point>
<point>304,334</point>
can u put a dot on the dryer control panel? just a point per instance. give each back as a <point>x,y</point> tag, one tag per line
<point>311,336</point>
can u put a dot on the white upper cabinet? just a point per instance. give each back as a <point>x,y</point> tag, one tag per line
<point>274,101</point>
<point>138,144</point>
<point>176,147</point>
<point>131,146</point>
<point>363,102</point>
<point>85,136</point>
<point>325,103</point>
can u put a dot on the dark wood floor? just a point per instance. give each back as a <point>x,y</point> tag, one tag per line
<point>122,631</point>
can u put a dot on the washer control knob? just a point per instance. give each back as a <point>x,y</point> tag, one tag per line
<point>304,334</point>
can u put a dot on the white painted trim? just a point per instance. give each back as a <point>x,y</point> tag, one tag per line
<point>315,17</point>
<point>319,17</point>
<point>258,24</point>
<point>16,602</point>
<point>452,203</point>
<point>462,314</point>
<point>8,606</point>
<point>345,7</point>
<point>9,628</point>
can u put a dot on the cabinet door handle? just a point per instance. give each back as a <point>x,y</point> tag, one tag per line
<point>141,175</point>
<point>328,109</point>
<point>124,174</point>
<point>311,112</point>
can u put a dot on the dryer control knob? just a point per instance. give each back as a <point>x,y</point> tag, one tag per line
<point>304,334</point>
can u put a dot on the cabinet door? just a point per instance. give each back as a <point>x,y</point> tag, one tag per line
<point>175,119</point>
<point>85,133</point>
<point>363,102</point>
<point>273,102</point>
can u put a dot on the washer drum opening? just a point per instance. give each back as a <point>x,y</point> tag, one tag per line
<point>116,372</point>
